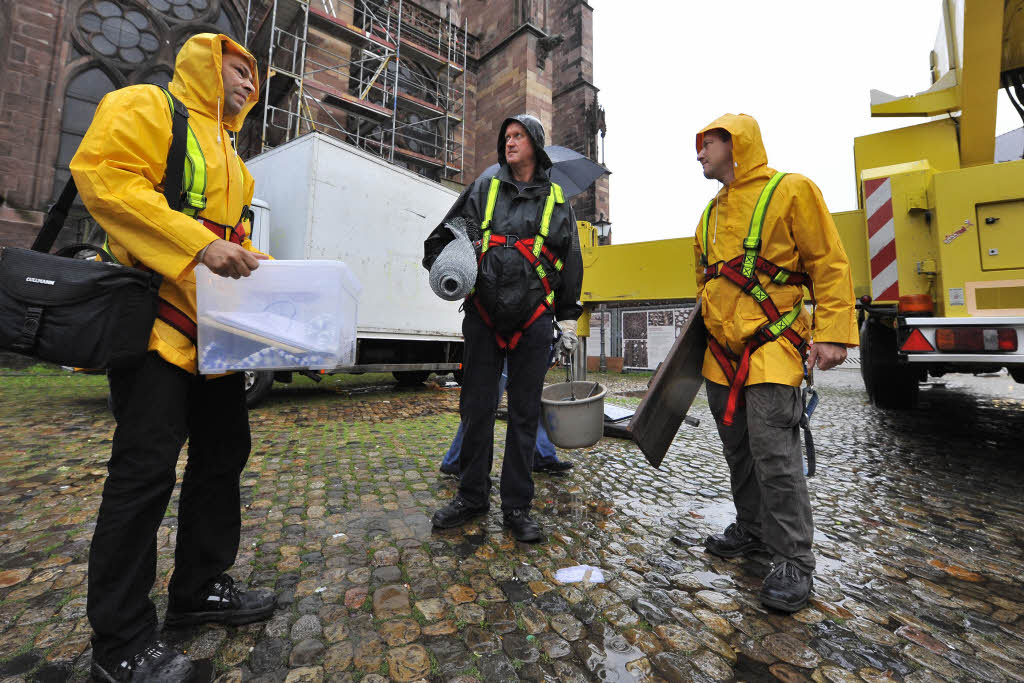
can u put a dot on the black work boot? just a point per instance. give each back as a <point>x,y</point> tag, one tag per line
<point>158,662</point>
<point>553,466</point>
<point>518,521</point>
<point>786,588</point>
<point>732,542</point>
<point>223,603</point>
<point>457,512</point>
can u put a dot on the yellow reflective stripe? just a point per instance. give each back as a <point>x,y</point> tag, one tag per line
<point>781,277</point>
<point>704,219</point>
<point>541,273</point>
<point>752,243</point>
<point>753,240</point>
<point>550,298</point>
<point>759,294</point>
<point>106,248</point>
<point>783,323</point>
<point>195,174</point>
<point>193,184</point>
<point>492,199</point>
<point>545,219</point>
<point>558,264</point>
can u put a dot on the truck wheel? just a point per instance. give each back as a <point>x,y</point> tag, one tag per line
<point>457,375</point>
<point>890,384</point>
<point>1017,373</point>
<point>410,378</point>
<point>257,386</point>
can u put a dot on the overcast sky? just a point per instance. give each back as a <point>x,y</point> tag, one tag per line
<point>802,68</point>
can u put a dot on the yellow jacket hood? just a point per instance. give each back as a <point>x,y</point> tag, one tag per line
<point>198,82</point>
<point>748,153</point>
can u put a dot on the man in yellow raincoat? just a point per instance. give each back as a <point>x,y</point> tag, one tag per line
<point>763,238</point>
<point>120,172</point>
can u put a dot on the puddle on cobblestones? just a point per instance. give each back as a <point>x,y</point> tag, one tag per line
<point>751,671</point>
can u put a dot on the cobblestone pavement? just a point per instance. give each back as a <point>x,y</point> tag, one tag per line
<point>920,537</point>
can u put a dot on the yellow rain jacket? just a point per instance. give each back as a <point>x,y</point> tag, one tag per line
<point>798,235</point>
<point>119,169</point>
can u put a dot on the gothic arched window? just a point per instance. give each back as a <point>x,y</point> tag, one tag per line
<point>124,42</point>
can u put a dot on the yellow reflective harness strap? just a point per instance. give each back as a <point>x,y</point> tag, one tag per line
<point>704,220</point>
<point>193,184</point>
<point>195,176</point>
<point>492,199</point>
<point>555,196</point>
<point>752,244</point>
<point>782,324</point>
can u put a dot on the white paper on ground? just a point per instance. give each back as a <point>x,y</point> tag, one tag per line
<point>580,572</point>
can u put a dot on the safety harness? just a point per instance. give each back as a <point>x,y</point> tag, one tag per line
<point>185,191</point>
<point>742,271</point>
<point>532,249</point>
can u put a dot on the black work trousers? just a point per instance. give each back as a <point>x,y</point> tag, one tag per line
<point>766,468</point>
<point>157,406</point>
<point>482,363</point>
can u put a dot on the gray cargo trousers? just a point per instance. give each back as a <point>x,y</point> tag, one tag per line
<point>766,468</point>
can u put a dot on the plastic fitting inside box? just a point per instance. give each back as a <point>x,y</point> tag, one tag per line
<point>287,315</point>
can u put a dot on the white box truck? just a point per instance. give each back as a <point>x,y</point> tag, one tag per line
<point>321,198</point>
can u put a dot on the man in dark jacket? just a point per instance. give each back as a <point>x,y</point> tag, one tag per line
<point>531,272</point>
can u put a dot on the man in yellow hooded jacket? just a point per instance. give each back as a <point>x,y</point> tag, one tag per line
<point>119,169</point>
<point>762,239</point>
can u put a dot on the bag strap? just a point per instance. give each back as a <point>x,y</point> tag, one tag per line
<point>176,155</point>
<point>58,213</point>
<point>55,218</point>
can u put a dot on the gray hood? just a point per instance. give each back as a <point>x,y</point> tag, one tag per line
<point>536,132</point>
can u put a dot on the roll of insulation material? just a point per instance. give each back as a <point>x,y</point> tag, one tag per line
<point>454,272</point>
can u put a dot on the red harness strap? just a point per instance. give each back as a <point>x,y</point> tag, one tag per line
<point>171,314</point>
<point>524,247</point>
<point>512,341</point>
<point>235,234</point>
<point>737,377</point>
<point>174,317</point>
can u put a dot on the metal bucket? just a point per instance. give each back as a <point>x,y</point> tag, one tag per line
<point>573,424</point>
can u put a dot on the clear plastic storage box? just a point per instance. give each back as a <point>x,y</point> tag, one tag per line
<point>287,315</point>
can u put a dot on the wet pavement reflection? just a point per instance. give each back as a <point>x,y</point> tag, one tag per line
<point>919,540</point>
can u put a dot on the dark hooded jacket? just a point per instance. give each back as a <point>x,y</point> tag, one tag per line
<point>506,284</point>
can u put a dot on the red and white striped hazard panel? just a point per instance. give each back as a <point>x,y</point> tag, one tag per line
<point>881,239</point>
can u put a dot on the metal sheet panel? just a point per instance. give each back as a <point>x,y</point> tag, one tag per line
<point>671,392</point>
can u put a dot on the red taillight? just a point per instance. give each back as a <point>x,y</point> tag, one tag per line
<point>975,339</point>
<point>916,303</point>
<point>916,342</point>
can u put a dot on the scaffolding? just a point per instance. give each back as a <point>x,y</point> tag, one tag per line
<point>384,75</point>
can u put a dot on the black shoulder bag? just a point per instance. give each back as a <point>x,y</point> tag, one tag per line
<point>77,312</point>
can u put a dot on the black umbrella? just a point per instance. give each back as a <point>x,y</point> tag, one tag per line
<point>570,169</point>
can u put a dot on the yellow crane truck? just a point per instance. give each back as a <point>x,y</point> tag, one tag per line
<point>944,223</point>
<point>937,243</point>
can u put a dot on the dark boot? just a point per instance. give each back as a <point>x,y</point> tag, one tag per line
<point>456,513</point>
<point>223,603</point>
<point>732,542</point>
<point>787,588</point>
<point>521,525</point>
<point>157,663</point>
<point>552,466</point>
